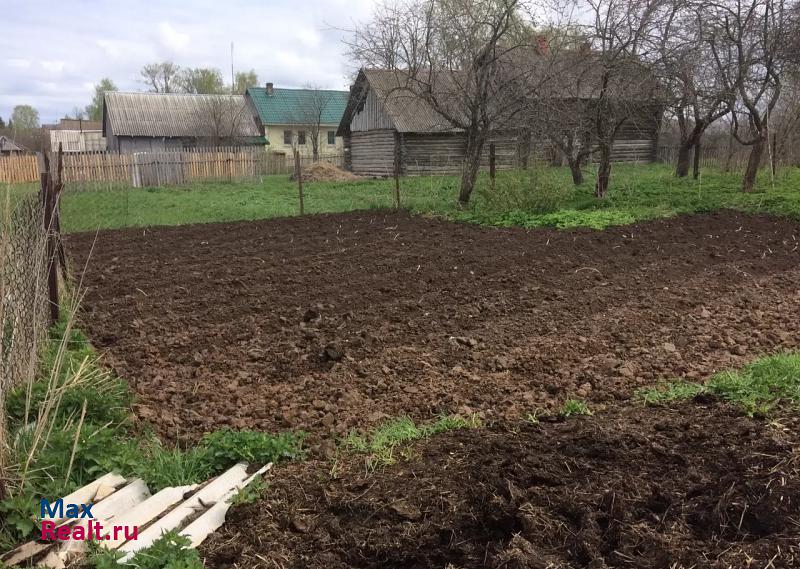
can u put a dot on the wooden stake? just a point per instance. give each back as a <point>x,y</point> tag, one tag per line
<point>492,165</point>
<point>298,171</point>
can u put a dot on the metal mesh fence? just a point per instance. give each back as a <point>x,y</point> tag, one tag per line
<point>23,298</point>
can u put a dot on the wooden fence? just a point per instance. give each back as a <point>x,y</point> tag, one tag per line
<point>17,169</point>
<point>107,170</point>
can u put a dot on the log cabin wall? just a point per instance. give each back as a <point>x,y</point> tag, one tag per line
<point>371,153</point>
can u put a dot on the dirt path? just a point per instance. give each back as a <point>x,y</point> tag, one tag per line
<point>333,322</point>
<point>696,486</point>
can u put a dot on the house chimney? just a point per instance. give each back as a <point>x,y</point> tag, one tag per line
<point>542,46</point>
<point>270,89</point>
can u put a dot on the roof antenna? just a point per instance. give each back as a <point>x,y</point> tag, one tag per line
<point>233,75</point>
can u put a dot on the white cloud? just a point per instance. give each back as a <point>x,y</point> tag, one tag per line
<point>290,44</point>
<point>18,63</point>
<point>172,38</point>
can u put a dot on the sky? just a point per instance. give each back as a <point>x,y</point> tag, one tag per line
<point>53,52</point>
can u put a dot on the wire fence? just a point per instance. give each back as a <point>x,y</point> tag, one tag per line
<point>23,302</point>
<point>730,155</point>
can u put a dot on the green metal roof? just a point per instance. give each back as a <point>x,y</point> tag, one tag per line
<point>288,106</point>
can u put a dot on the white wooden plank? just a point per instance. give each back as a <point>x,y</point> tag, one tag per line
<point>212,520</point>
<point>105,513</point>
<point>210,494</point>
<point>92,491</point>
<point>148,510</point>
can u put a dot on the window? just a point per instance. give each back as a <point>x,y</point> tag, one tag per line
<point>287,137</point>
<point>301,137</point>
<point>331,137</point>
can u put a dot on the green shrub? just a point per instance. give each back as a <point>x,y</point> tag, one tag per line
<point>226,447</point>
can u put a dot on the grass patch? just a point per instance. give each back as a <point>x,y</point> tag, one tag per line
<point>384,444</point>
<point>573,407</point>
<point>542,196</point>
<point>757,388</point>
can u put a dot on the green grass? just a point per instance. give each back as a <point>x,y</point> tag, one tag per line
<point>384,444</point>
<point>538,197</point>
<point>574,407</point>
<point>757,388</point>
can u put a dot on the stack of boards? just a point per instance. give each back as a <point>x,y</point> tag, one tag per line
<point>194,511</point>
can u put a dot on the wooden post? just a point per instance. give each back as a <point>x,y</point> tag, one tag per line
<point>47,204</point>
<point>298,171</point>
<point>397,166</point>
<point>62,257</point>
<point>492,170</point>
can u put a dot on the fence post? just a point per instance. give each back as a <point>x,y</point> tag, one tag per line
<point>47,205</point>
<point>397,166</point>
<point>298,171</point>
<point>492,169</point>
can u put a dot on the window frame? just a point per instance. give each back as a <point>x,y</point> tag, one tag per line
<point>289,133</point>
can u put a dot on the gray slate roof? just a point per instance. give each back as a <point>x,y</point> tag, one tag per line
<point>178,115</point>
<point>8,145</point>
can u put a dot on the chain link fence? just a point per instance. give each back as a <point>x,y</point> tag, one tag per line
<point>23,301</point>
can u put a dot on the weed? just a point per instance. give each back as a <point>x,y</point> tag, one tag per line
<point>250,493</point>
<point>226,447</point>
<point>673,391</point>
<point>170,551</point>
<point>757,387</point>
<point>573,407</point>
<point>163,467</point>
<point>390,439</point>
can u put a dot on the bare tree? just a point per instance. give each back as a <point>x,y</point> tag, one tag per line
<point>621,34</point>
<point>309,114</point>
<point>449,53</point>
<point>750,44</point>
<point>223,116</point>
<point>161,77</point>
<point>695,93</point>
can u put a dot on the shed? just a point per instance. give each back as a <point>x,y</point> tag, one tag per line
<point>156,122</point>
<point>385,115</point>
<point>9,147</point>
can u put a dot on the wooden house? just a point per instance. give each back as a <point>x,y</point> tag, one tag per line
<point>157,122</point>
<point>386,119</point>
<point>292,117</point>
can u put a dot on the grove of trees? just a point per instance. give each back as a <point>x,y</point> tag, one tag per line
<point>579,70</point>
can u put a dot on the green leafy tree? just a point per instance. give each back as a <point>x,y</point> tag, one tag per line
<point>2,123</point>
<point>94,110</point>
<point>201,80</point>
<point>25,117</point>
<point>245,79</point>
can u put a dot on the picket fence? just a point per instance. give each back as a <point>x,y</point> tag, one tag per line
<point>107,170</point>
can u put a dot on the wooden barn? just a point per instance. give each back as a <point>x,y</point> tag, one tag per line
<point>385,117</point>
<point>157,122</point>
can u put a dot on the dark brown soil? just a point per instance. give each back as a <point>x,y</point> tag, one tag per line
<point>333,322</point>
<point>696,486</point>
